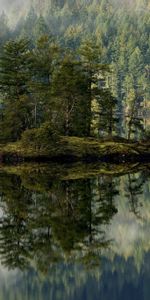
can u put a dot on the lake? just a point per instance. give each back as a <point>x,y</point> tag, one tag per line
<point>75,232</point>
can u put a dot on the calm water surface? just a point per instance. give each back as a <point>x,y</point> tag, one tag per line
<point>75,233</point>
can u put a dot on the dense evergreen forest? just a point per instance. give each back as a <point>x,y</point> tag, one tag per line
<point>77,68</point>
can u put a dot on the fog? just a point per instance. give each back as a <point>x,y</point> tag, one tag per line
<point>9,5</point>
<point>14,9</point>
<point>15,5</point>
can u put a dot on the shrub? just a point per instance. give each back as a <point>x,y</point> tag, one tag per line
<point>40,137</point>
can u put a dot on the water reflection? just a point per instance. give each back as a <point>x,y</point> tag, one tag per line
<point>74,236</point>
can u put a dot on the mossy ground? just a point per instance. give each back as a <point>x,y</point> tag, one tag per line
<point>77,148</point>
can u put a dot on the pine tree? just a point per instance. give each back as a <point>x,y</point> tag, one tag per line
<point>43,61</point>
<point>15,64</point>
<point>69,89</point>
<point>93,70</point>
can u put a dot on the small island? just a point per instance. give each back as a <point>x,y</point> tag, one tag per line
<point>72,149</point>
<point>57,105</point>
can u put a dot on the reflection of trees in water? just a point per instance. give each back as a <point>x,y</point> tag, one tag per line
<point>63,220</point>
<point>15,246</point>
<point>134,188</point>
<point>66,219</point>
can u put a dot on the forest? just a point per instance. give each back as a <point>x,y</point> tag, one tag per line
<point>75,68</point>
<point>74,149</point>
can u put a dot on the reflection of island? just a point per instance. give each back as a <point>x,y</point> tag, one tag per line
<point>52,220</point>
<point>65,220</point>
<point>86,235</point>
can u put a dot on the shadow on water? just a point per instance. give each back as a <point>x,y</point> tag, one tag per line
<point>75,232</point>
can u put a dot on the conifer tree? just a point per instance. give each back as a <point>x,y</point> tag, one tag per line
<point>14,76</point>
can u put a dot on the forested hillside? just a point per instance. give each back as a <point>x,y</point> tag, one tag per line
<point>64,37</point>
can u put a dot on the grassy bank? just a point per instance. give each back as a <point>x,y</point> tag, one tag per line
<point>77,149</point>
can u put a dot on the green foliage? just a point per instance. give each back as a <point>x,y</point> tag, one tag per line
<point>39,138</point>
<point>15,119</point>
<point>14,63</point>
<point>69,88</point>
<point>64,69</point>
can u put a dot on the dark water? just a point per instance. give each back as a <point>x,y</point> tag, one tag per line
<point>78,232</point>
